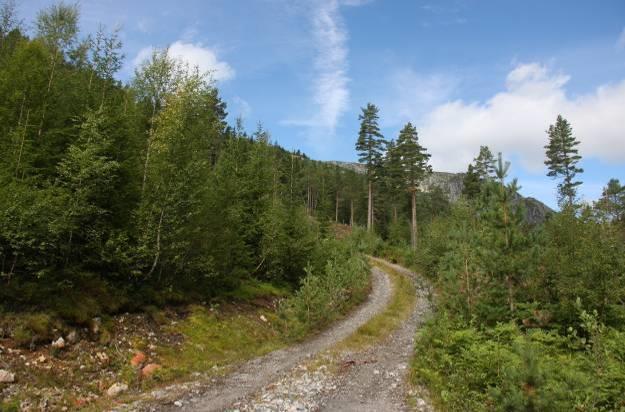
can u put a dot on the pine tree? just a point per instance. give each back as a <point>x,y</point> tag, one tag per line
<point>370,145</point>
<point>88,172</point>
<point>414,165</point>
<point>485,164</point>
<point>471,184</point>
<point>393,178</point>
<point>562,159</point>
<point>505,217</point>
<point>612,201</point>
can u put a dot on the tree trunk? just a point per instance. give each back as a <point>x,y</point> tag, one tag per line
<point>19,154</point>
<point>510,294</point>
<point>147,150</point>
<point>351,213</point>
<point>468,286</point>
<point>370,208</point>
<point>45,101</point>
<point>413,228</point>
<point>336,209</point>
<point>157,255</point>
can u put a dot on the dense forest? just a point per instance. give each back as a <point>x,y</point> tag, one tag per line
<point>114,196</point>
<point>118,196</point>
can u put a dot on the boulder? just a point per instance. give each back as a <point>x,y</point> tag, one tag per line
<point>102,357</point>
<point>72,337</point>
<point>138,359</point>
<point>59,343</point>
<point>96,324</point>
<point>116,389</point>
<point>6,376</point>
<point>149,369</point>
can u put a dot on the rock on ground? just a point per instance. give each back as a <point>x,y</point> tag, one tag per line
<point>6,376</point>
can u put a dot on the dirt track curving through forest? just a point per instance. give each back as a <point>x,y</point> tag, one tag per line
<point>280,381</point>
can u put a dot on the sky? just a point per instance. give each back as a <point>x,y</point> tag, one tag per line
<point>465,72</point>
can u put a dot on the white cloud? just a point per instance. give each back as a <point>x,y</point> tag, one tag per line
<point>330,91</point>
<point>514,121</point>
<point>194,55</point>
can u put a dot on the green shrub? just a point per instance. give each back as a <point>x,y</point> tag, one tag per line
<point>327,292</point>
<point>31,328</point>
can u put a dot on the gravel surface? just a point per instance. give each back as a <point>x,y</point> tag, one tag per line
<point>374,379</point>
<point>377,381</point>
<point>252,376</point>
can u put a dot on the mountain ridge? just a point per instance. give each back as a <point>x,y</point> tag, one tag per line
<point>452,184</point>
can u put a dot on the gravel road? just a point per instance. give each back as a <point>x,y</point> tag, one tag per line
<point>369,380</point>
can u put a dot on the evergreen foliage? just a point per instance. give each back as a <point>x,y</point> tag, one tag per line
<point>562,158</point>
<point>114,197</point>
<point>370,146</point>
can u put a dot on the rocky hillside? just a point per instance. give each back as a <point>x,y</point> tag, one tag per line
<point>451,183</point>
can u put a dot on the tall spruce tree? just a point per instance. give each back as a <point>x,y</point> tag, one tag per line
<point>393,178</point>
<point>414,166</point>
<point>562,159</point>
<point>370,145</point>
<point>484,164</point>
<point>471,184</point>
<point>612,201</point>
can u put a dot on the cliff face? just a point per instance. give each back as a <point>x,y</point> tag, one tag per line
<point>452,183</point>
<point>449,183</point>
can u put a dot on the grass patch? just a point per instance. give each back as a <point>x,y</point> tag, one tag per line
<point>251,289</point>
<point>381,325</point>
<point>213,341</point>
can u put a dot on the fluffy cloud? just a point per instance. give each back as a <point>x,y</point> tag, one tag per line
<point>330,87</point>
<point>514,121</point>
<point>194,55</point>
<point>330,80</point>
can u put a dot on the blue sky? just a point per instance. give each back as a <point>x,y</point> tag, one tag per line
<point>465,72</point>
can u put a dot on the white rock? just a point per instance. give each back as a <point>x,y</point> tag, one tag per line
<point>72,337</point>
<point>6,376</point>
<point>41,359</point>
<point>376,372</point>
<point>59,343</point>
<point>263,318</point>
<point>116,389</point>
<point>178,404</point>
<point>102,357</point>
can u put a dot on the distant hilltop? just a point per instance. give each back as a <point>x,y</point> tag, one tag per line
<point>452,183</point>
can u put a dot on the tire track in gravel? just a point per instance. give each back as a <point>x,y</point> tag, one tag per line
<point>373,379</point>
<point>381,383</point>
<point>255,374</point>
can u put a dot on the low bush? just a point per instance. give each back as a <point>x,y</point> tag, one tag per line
<point>327,292</point>
<point>503,368</point>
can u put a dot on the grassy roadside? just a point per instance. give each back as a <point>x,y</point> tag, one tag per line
<point>192,342</point>
<point>380,326</point>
